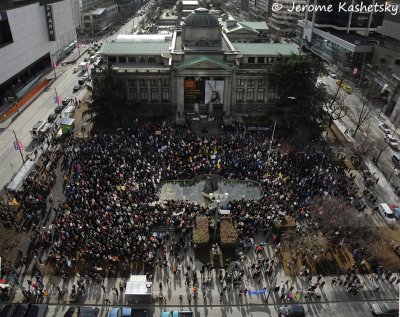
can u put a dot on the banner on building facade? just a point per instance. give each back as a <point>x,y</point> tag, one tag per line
<point>50,22</point>
<point>214,92</point>
<point>194,91</point>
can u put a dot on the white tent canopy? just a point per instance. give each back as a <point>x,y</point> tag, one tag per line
<point>21,175</point>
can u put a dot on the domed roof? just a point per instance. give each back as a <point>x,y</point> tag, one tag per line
<point>201,17</point>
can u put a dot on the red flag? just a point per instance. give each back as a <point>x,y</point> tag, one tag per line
<point>59,101</point>
<point>55,65</point>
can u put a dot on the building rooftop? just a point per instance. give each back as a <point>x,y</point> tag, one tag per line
<point>190,2</point>
<point>126,49</point>
<point>201,17</point>
<point>266,48</point>
<point>352,37</point>
<point>178,44</point>
<point>259,26</point>
<point>98,11</point>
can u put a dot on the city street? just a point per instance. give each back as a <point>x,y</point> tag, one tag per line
<point>375,138</point>
<point>40,110</point>
<point>336,309</point>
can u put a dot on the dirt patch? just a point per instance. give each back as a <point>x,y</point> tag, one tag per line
<point>382,250</point>
<point>10,242</point>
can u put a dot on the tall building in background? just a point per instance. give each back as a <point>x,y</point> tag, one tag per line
<point>340,37</point>
<point>283,22</point>
<point>33,36</point>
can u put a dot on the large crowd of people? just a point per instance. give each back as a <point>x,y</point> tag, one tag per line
<point>111,182</point>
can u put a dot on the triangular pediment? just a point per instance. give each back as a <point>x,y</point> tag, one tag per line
<point>203,62</point>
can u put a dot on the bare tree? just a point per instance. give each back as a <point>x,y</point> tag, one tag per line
<point>363,112</point>
<point>337,108</point>
<point>381,145</point>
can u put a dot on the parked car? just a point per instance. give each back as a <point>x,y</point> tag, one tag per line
<point>344,86</point>
<point>82,311</point>
<point>127,312</point>
<point>51,118</point>
<point>178,313</point>
<point>18,310</point>
<point>86,59</point>
<point>391,141</point>
<point>384,128</point>
<point>59,108</point>
<point>333,75</point>
<point>76,88</point>
<point>291,311</point>
<point>387,213</point>
<point>66,101</point>
<point>385,309</point>
<point>396,159</point>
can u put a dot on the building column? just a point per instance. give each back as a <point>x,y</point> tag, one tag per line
<point>228,99</point>
<point>180,102</point>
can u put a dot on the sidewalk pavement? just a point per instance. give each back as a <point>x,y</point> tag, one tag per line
<point>175,286</point>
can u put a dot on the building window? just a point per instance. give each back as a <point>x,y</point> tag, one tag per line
<point>142,59</point>
<point>250,94</point>
<point>112,59</point>
<point>164,82</point>
<point>143,82</point>
<point>132,82</point>
<point>132,94</point>
<point>260,60</point>
<point>122,59</point>
<point>154,82</point>
<point>240,82</point>
<point>260,94</point>
<point>151,60</point>
<point>251,60</point>
<point>272,84</point>
<point>271,94</point>
<point>261,83</point>
<point>270,60</point>
<point>154,95</point>
<point>239,95</point>
<point>251,82</point>
<point>165,95</point>
<point>143,95</point>
<point>131,59</point>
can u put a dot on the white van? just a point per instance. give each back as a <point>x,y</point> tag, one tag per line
<point>387,214</point>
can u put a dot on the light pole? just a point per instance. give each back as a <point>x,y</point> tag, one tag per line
<point>17,144</point>
<point>58,101</point>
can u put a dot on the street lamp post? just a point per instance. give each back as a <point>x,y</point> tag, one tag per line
<point>58,102</point>
<point>17,144</point>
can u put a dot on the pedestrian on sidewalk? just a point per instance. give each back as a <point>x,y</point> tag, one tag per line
<point>107,301</point>
<point>121,287</point>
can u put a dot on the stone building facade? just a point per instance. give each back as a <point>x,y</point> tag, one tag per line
<point>197,73</point>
